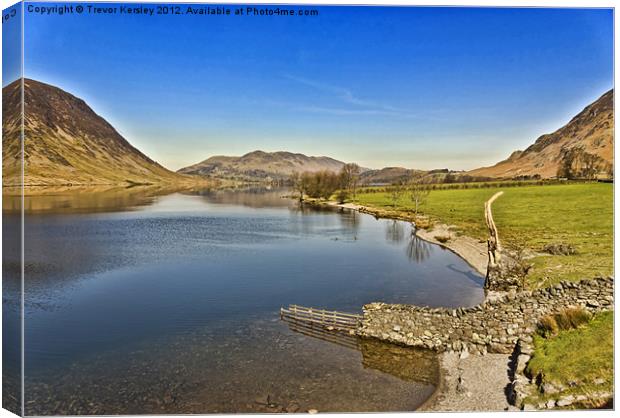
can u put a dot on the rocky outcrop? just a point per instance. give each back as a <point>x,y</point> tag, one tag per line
<point>493,326</point>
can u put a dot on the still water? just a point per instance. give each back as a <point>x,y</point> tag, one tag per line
<point>169,303</point>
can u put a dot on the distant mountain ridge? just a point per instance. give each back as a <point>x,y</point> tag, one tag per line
<point>261,165</point>
<point>588,136</point>
<point>66,142</point>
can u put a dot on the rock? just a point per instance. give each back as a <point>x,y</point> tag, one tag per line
<point>522,363</point>
<point>550,404</point>
<point>599,381</point>
<point>313,411</point>
<point>396,328</point>
<point>528,407</point>
<point>566,400</point>
<point>526,349</point>
<point>464,354</point>
<point>559,249</point>
<point>499,348</point>
<point>549,389</point>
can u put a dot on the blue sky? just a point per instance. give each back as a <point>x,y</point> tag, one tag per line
<point>381,86</point>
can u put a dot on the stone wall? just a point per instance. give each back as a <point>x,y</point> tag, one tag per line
<point>494,326</point>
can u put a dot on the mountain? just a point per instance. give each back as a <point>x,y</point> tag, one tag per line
<point>66,142</point>
<point>584,143</point>
<point>260,165</point>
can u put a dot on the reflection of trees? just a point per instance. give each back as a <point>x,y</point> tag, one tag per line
<point>253,197</point>
<point>394,231</point>
<point>417,249</point>
<point>350,219</point>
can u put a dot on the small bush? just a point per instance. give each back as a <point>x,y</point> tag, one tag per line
<point>548,326</point>
<point>342,196</point>
<point>566,319</point>
<point>576,317</point>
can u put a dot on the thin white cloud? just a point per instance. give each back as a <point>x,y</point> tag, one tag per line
<point>369,107</point>
<point>344,112</point>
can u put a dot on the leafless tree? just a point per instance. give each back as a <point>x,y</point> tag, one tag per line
<point>298,184</point>
<point>350,178</point>
<point>419,191</point>
<point>396,191</point>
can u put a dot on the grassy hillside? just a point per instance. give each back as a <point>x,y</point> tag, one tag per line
<point>577,214</point>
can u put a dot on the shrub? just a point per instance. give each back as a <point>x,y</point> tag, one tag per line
<point>548,326</point>
<point>342,196</point>
<point>566,319</point>
<point>575,317</point>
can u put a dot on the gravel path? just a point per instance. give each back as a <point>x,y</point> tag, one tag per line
<point>474,383</point>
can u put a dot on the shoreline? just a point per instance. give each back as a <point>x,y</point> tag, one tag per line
<point>466,383</point>
<point>471,250</point>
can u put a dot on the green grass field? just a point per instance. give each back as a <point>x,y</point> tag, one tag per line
<point>578,214</point>
<point>581,355</point>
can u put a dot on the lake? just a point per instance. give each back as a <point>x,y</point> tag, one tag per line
<point>168,302</point>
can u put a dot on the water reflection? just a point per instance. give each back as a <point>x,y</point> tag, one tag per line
<point>67,199</point>
<point>140,270</point>
<point>394,231</point>
<point>407,364</point>
<point>468,273</point>
<point>252,197</point>
<point>417,249</point>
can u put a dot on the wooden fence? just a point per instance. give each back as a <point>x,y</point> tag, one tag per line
<point>329,320</point>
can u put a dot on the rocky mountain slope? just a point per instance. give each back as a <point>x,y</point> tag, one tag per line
<point>260,165</point>
<point>66,142</point>
<point>585,143</point>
